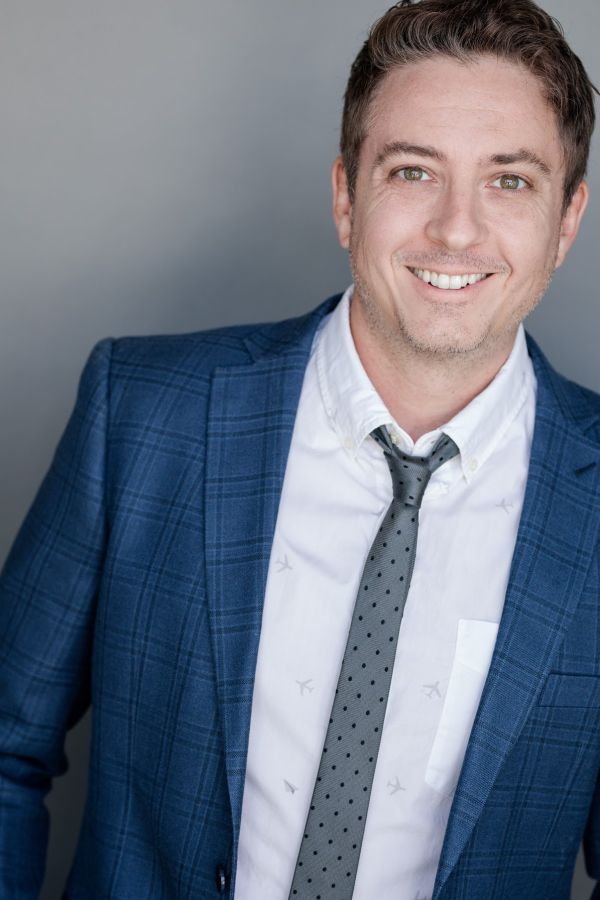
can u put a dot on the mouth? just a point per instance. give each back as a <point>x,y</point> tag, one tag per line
<point>445,282</point>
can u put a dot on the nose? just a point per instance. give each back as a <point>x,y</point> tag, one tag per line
<point>457,220</point>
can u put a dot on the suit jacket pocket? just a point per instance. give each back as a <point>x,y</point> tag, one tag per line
<point>570,689</point>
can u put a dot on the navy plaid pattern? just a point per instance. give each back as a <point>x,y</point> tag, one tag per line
<point>136,584</point>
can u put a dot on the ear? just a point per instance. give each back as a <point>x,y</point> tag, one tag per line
<point>342,205</point>
<point>571,221</point>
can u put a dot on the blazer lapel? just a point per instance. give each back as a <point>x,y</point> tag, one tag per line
<point>250,422</point>
<point>556,539</point>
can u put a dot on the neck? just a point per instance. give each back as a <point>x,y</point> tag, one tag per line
<point>420,391</point>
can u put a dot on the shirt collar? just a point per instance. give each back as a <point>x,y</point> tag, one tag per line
<point>355,408</point>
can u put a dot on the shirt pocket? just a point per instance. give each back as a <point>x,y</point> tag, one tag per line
<point>475,642</point>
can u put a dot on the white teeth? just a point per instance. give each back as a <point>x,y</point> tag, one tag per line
<point>447,282</point>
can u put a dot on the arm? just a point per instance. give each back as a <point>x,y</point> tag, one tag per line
<point>47,604</point>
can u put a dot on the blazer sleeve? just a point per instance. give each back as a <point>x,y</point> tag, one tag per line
<point>48,590</point>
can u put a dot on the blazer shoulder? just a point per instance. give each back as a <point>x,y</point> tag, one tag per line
<point>195,355</point>
<point>579,405</point>
<point>584,404</point>
<point>201,351</point>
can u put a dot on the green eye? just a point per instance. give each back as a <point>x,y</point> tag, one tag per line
<point>510,183</point>
<point>413,173</point>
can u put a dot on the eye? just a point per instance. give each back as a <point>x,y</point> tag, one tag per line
<point>412,173</point>
<point>510,183</point>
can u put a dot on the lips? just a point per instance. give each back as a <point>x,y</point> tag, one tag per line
<point>446,282</point>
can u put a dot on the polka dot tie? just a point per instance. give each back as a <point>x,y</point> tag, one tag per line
<point>330,848</point>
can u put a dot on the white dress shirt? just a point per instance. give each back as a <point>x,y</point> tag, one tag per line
<point>336,491</point>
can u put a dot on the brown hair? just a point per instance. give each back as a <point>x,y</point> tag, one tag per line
<point>514,30</point>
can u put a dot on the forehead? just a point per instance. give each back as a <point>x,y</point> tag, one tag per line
<point>471,107</point>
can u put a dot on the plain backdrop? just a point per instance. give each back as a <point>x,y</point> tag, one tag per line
<point>165,167</point>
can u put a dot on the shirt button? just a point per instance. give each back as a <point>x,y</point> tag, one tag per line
<point>348,443</point>
<point>221,879</point>
<point>473,465</point>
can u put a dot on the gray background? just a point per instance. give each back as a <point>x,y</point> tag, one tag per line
<point>165,167</point>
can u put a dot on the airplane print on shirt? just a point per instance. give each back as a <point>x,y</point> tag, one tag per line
<point>431,690</point>
<point>305,686</point>
<point>395,786</point>
<point>283,564</point>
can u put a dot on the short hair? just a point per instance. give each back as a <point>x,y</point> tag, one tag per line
<point>514,30</point>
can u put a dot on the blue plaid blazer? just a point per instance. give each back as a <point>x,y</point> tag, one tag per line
<point>136,584</point>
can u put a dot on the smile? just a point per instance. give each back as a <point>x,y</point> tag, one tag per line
<point>447,282</point>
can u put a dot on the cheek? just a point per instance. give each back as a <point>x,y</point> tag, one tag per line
<point>533,257</point>
<point>385,227</point>
<point>524,232</point>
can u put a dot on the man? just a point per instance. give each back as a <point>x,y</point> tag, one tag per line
<point>220,562</point>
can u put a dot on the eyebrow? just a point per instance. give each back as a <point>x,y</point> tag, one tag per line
<point>522,156</point>
<point>397,148</point>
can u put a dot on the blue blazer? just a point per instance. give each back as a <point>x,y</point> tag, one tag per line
<point>136,584</point>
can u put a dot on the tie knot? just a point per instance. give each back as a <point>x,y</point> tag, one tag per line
<point>411,474</point>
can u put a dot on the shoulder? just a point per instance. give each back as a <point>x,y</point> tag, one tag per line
<point>199,353</point>
<point>579,405</point>
<point>142,368</point>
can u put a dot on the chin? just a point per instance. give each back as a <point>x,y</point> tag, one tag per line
<point>442,347</point>
<point>442,339</point>
<point>450,333</point>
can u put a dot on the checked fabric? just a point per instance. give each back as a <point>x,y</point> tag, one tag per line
<point>330,848</point>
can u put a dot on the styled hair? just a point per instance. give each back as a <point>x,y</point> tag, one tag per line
<point>514,30</point>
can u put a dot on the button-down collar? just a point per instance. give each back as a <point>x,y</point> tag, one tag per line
<point>355,408</point>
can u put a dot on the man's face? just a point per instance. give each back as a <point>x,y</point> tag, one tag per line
<point>457,220</point>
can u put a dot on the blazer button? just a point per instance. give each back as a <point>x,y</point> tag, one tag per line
<point>221,879</point>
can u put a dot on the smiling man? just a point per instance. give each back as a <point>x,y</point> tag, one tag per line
<point>331,585</point>
<point>457,216</point>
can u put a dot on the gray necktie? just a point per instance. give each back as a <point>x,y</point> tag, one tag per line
<point>330,848</point>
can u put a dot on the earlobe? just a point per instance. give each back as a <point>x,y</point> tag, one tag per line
<point>342,206</point>
<point>571,222</point>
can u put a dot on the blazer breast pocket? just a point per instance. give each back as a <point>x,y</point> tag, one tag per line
<point>570,689</point>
